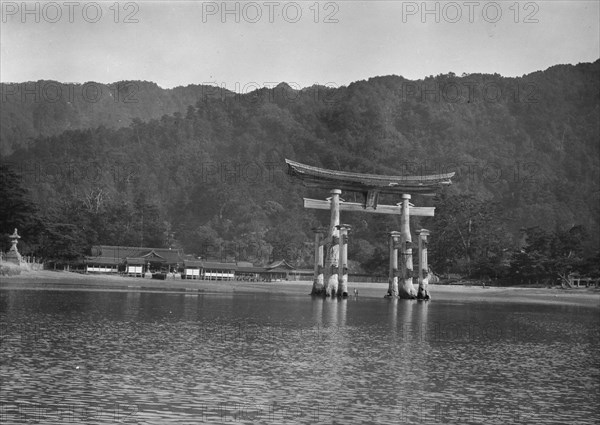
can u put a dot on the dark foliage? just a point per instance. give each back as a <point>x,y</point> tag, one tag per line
<point>208,176</point>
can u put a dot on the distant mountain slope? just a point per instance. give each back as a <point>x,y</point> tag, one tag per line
<point>47,108</point>
<point>212,175</point>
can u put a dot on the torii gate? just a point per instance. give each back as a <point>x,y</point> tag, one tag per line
<point>331,266</point>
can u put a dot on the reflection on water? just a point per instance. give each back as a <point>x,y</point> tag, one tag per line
<point>101,357</point>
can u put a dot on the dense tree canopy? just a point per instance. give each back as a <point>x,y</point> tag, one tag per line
<point>554,255</point>
<point>208,175</point>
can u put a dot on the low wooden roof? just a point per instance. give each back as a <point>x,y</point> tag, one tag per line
<point>136,261</point>
<point>219,266</point>
<point>248,269</point>
<point>102,261</point>
<point>154,256</point>
<point>210,265</point>
<point>170,256</point>
<point>359,182</point>
<point>281,265</point>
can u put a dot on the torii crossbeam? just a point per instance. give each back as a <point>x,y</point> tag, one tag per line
<point>318,204</point>
<point>328,279</point>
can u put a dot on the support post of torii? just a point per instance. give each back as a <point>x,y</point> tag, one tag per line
<point>405,286</point>
<point>343,260</point>
<point>318,286</point>
<point>393,272</point>
<point>423,292</point>
<point>331,266</point>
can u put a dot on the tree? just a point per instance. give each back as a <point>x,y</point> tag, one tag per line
<point>63,242</point>
<point>553,255</point>
<point>470,235</point>
<point>17,211</point>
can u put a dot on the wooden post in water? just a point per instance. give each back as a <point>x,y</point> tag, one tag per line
<point>393,271</point>
<point>330,274</point>
<point>343,260</point>
<point>423,292</point>
<point>405,287</point>
<point>318,286</point>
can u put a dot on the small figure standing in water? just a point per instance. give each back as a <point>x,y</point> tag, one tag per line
<point>355,292</point>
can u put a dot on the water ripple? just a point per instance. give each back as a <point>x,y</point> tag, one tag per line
<point>102,358</point>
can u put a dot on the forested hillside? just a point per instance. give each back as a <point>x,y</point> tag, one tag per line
<point>210,177</point>
<point>47,108</point>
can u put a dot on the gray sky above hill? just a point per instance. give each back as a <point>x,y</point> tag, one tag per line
<point>240,44</point>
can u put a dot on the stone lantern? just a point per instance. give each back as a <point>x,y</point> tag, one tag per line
<point>13,255</point>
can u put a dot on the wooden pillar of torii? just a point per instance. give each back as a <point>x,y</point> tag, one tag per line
<point>393,271</point>
<point>318,280</point>
<point>343,260</point>
<point>423,291</point>
<point>405,285</point>
<point>330,272</point>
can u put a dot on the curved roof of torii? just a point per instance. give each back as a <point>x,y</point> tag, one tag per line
<point>359,182</point>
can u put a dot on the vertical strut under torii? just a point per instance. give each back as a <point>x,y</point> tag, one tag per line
<point>318,285</point>
<point>405,284</point>
<point>423,292</point>
<point>343,260</point>
<point>393,271</point>
<point>330,275</point>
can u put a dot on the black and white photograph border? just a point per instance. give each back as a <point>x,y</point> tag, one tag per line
<point>300,212</point>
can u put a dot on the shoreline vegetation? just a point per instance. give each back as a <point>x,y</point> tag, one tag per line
<point>80,178</point>
<point>471,291</point>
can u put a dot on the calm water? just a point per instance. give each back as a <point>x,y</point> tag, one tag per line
<point>148,358</point>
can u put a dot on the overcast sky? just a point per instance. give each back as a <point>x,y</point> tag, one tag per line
<point>302,43</point>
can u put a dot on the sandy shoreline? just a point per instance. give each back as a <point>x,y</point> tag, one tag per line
<point>61,280</point>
